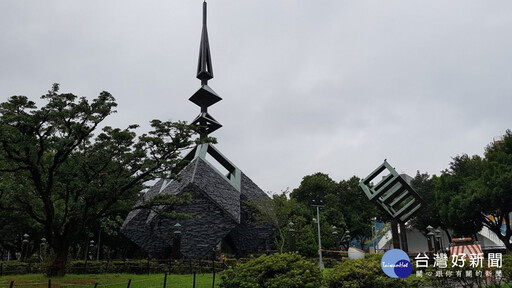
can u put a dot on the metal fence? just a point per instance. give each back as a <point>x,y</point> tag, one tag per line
<point>146,266</point>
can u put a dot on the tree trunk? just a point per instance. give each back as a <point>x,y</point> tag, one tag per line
<point>448,235</point>
<point>503,238</point>
<point>509,247</point>
<point>58,267</point>
<point>282,241</point>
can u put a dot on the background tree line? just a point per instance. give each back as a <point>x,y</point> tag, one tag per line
<point>66,178</point>
<point>474,192</point>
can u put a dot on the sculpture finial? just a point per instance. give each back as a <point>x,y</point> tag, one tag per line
<point>204,65</point>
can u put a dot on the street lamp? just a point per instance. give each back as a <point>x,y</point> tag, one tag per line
<point>318,204</point>
<point>91,247</point>
<point>291,236</point>
<point>335,235</point>
<point>430,238</point>
<point>24,246</point>
<point>42,248</point>
<point>439,239</point>
<point>374,233</point>
<point>176,242</point>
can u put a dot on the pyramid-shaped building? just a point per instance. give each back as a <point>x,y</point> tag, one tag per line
<point>219,200</point>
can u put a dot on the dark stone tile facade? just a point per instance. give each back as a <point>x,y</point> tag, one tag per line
<point>218,209</point>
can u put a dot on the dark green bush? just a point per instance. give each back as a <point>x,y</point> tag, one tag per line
<point>14,267</point>
<point>506,269</point>
<point>288,270</point>
<point>365,273</point>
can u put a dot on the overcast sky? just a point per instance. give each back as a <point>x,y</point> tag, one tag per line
<point>307,86</point>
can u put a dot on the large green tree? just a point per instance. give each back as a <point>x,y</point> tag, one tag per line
<point>477,191</point>
<point>424,185</point>
<point>66,178</point>
<point>458,196</point>
<point>357,210</point>
<point>314,187</point>
<point>497,192</point>
<point>346,206</point>
<point>276,211</point>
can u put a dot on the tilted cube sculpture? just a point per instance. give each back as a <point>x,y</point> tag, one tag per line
<point>394,196</point>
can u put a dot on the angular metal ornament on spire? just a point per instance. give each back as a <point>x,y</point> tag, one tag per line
<point>205,97</point>
<point>206,123</point>
<point>204,65</point>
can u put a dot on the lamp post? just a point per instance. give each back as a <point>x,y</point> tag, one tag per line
<point>91,249</point>
<point>42,248</point>
<point>439,239</point>
<point>374,234</point>
<point>24,247</point>
<point>318,204</point>
<point>335,235</point>
<point>430,239</point>
<point>291,236</point>
<point>176,242</point>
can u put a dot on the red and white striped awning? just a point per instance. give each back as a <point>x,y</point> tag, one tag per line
<point>474,249</point>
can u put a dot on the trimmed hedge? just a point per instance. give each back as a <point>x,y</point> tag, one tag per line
<point>366,272</point>
<point>274,271</point>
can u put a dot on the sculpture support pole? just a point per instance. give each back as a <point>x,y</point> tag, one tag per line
<point>394,234</point>
<point>403,236</point>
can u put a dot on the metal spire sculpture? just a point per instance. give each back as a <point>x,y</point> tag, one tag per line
<point>205,96</point>
<point>218,188</point>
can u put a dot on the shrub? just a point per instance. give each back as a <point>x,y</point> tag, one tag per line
<point>366,272</point>
<point>273,271</point>
<point>507,268</point>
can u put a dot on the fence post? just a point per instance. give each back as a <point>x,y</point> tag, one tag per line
<point>106,268</point>
<point>194,282</point>
<point>129,282</point>
<point>147,266</point>
<point>213,268</point>
<point>49,283</point>
<point>12,284</point>
<point>165,280</point>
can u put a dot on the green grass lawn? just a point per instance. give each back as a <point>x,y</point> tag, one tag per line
<point>108,280</point>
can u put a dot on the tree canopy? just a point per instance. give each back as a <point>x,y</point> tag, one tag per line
<point>65,178</point>
<point>477,191</point>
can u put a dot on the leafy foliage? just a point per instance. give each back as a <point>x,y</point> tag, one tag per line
<point>346,206</point>
<point>424,185</point>
<point>276,211</point>
<point>164,204</point>
<point>366,272</point>
<point>273,271</point>
<point>476,192</point>
<point>66,179</point>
